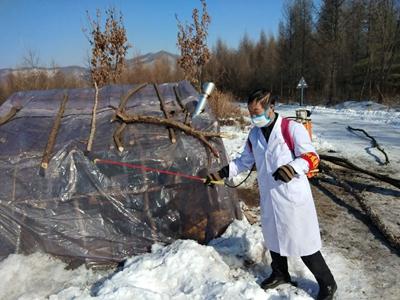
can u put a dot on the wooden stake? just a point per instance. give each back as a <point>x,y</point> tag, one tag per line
<point>118,137</point>
<point>53,134</point>
<point>187,119</point>
<point>8,116</point>
<point>166,114</point>
<point>178,98</point>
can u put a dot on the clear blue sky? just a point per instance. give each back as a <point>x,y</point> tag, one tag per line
<point>53,28</point>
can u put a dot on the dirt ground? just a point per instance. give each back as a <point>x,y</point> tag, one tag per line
<point>345,227</point>
<point>347,230</point>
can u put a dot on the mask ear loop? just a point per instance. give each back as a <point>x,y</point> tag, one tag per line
<point>265,113</point>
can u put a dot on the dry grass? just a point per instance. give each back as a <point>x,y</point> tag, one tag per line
<point>161,71</point>
<point>38,80</point>
<point>223,105</point>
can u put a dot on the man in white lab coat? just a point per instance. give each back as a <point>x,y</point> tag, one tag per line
<point>288,216</point>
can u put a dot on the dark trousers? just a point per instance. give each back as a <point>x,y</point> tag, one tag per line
<point>314,262</point>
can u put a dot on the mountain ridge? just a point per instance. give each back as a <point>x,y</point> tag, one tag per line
<point>147,59</point>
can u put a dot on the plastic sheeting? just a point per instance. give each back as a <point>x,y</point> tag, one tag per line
<point>102,213</point>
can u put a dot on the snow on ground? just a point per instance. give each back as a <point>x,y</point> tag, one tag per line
<point>232,266</point>
<point>366,105</point>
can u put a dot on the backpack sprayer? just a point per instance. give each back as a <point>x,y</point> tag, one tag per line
<point>303,117</point>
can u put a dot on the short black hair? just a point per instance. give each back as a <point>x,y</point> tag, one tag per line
<point>261,95</point>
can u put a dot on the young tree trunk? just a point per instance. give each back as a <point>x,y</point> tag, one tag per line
<point>93,127</point>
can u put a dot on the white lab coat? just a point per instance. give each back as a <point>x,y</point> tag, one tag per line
<point>288,216</point>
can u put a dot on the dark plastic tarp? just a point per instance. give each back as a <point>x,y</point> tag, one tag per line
<point>102,213</point>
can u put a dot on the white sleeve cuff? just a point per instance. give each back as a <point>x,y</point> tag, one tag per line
<point>233,169</point>
<point>299,165</point>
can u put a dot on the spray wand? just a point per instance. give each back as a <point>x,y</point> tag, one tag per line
<point>144,168</point>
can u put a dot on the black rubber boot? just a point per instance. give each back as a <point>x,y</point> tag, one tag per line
<point>317,265</point>
<point>279,275</point>
<point>274,280</point>
<point>327,292</point>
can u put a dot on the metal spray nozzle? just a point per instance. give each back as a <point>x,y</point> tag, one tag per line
<point>208,87</point>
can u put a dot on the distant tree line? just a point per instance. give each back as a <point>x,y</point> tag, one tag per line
<point>32,75</point>
<point>344,49</point>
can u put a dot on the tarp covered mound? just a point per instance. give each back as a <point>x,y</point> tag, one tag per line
<point>99,212</point>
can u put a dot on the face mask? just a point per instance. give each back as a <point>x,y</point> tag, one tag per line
<point>261,120</point>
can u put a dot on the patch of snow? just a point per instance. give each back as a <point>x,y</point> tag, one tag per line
<point>182,270</point>
<point>39,275</point>
<point>322,145</point>
<point>241,240</point>
<point>362,105</point>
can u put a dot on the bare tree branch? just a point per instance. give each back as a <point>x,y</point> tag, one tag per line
<point>201,135</point>
<point>8,116</point>
<point>374,142</point>
<point>124,98</point>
